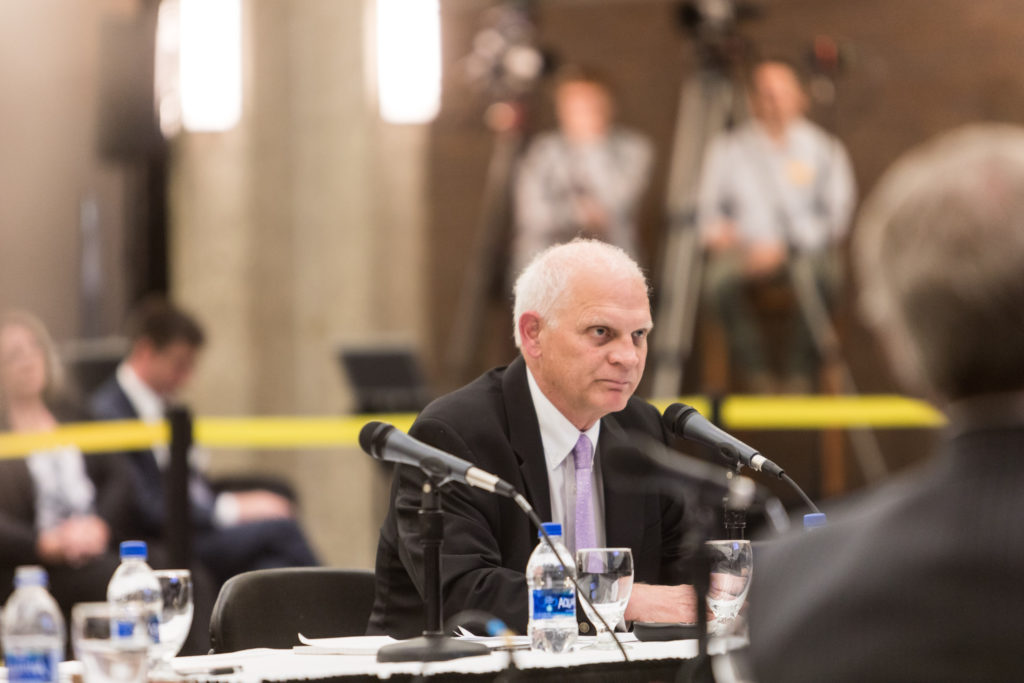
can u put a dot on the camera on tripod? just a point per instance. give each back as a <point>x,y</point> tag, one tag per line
<point>713,25</point>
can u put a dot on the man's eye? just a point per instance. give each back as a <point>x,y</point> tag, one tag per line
<point>600,331</point>
<point>640,335</point>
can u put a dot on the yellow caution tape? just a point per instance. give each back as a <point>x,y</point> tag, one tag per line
<point>828,412</point>
<point>738,412</point>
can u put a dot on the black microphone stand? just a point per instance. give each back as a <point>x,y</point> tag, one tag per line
<point>735,517</point>
<point>695,547</point>
<point>433,645</point>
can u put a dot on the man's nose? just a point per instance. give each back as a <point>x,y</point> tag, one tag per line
<point>625,352</point>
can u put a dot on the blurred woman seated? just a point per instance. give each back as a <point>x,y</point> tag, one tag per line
<point>57,508</point>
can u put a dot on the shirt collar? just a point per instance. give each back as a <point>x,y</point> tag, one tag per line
<point>147,403</point>
<point>557,434</point>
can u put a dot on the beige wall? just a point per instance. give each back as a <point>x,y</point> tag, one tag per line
<point>295,233</point>
<point>48,164</point>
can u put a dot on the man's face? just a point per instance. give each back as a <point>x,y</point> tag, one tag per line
<point>165,370</point>
<point>589,362</point>
<point>584,110</point>
<point>777,97</point>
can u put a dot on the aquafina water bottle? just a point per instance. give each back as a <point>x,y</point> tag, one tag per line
<point>552,626</point>
<point>134,582</point>
<point>33,629</point>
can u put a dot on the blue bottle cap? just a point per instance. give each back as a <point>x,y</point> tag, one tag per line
<point>134,549</point>
<point>553,529</point>
<point>30,575</point>
<point>814,520</point>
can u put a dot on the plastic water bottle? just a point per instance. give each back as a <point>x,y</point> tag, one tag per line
<point>33,629</point>
<point>552,626</point>
<point>135,582</point>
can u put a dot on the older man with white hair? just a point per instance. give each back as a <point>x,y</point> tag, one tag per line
<point>542,423</point>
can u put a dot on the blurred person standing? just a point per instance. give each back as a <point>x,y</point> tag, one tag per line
<point>586,178</point>
<point>775,189</point>
<point>234,531</point>
<point>920,580</point>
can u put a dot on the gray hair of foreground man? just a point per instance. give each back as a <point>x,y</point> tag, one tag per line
<point>940,257</point>
<point>541,285</point>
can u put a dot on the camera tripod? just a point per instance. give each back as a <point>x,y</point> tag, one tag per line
<point>711,101</point>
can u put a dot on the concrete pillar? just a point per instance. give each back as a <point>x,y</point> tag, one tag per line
<point>295,233</point>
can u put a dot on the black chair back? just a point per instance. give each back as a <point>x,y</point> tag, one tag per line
<point>268,607</point>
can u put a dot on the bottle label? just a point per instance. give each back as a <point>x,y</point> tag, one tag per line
<point>126,629</point>
<point>553,604</point>
<point>33,666</point>
<point>153,625</point>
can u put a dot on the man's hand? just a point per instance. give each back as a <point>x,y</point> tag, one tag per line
<point>662,604</point>
<point>764,259</point>
<point>721,237</point>
<point>254,506</point>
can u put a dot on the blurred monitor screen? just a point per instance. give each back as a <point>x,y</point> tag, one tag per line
<point>384,380</point>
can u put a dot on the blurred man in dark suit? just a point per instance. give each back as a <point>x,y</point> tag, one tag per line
<point>920,580</point>
<point>543,424</point>
<point>235,531</point>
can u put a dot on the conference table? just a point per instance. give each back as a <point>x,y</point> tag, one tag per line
<point>650,661</point>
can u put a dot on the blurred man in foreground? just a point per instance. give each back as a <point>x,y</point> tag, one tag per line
<point>921,580</point>
<point>581,322</point>
<point>235,531</point>
<point>776,189</point>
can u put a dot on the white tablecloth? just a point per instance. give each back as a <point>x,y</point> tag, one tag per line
<point>280,665</point>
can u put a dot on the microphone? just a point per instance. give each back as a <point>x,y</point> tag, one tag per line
<point>384,442</point>
<point>684,421</point>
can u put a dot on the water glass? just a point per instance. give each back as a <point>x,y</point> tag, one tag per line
<point>605,575</point>
<point>176,617</point>
<point>732,565</point>
<point>111,641</point>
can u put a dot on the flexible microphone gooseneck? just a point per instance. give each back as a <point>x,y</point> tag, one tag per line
<point>685,422</point>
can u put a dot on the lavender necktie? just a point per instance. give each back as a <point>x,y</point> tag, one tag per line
<point>583,455</point>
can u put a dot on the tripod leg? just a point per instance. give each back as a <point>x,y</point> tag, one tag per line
<point>819,322</point>
<point>468,327</point>
<point>706,105</point>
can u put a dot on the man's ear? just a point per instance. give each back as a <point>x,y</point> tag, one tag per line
<point>530,325</point>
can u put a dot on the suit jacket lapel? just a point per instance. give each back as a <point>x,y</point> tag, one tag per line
<point>623,512</point>
<point>524,434</point>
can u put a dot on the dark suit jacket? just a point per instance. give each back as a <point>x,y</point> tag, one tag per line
<point>920,581</point>
<point>488,540</point>
<point>109,402</point>
<point>18,534</point>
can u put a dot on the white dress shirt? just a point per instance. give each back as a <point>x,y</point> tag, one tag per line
<point>799,192</point>
<point>558,437</point>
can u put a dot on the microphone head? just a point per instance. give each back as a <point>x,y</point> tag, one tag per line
<point>675,415</point>
<point>372,437</point>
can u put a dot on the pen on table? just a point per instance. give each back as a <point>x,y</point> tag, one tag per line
<point>211,671</point>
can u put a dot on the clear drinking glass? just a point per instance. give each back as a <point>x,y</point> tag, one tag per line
<point>176,617</point>
<point>111,641</point>
<point>732,565</point>
<point>605,575</point>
